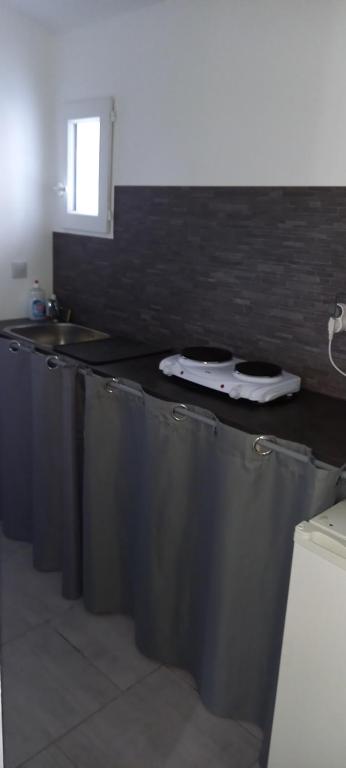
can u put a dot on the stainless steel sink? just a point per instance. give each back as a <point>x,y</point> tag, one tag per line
<point>49,335</point>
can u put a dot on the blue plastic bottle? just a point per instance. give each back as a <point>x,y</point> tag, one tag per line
<point>37,302</point>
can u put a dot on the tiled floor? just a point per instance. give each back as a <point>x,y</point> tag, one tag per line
<point>77,693</point>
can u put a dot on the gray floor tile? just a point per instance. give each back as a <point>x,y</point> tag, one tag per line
<point>48,688</point>
<point>28,598</point>
<point>159,723</point>
<point>10,548</point>
<point>50,758</point>
<point>108,641</point>
<point>183,676</point>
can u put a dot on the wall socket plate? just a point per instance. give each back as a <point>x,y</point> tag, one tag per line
<point>19,269</point>
<point>340,318</point>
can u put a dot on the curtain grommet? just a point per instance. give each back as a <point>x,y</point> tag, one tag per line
<point>260,448</point>
<point>110,385</point>
<point>52,362</point>
<point>179,416</point>
<point>14,347</point>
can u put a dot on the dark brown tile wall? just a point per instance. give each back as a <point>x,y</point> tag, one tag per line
<point>255,269</point>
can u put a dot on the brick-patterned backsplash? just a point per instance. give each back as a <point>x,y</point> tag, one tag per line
<point>255,269</point>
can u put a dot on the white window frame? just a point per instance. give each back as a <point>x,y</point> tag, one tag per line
<point>69,220</point>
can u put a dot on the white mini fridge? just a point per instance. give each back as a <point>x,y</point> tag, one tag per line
<point>309,728</point>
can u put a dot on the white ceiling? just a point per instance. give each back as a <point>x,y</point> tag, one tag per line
<point>61,15</point>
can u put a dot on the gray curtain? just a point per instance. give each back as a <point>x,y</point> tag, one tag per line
<point>15,439</point>
<point>342,487</point>
<point>72,459</point>
<point>188,529</point>
<point>40,426</point>
<point>110,526</point>
<point>56,529</point>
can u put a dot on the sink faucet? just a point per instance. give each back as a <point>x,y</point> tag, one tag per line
<point>53,310</point>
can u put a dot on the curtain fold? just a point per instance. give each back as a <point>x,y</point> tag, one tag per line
<point>113,438</point>
<point>15,439</point>
<point>40,418</point>
<point>72,481</point>
<point>47,436</point>
<point>190,531</point>
<point>56,529</point>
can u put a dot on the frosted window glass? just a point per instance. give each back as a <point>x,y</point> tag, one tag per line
<point>84,171</point>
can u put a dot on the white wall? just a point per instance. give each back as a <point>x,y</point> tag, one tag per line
<point>25,125</point>
<point>219,91</point>
<point>208,92</point>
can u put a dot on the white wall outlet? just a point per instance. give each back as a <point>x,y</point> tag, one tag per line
<point>19,269</point>
<point>340,320</point>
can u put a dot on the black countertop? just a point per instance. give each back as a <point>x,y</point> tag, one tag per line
<point>311,419</point>
<point>315,420</point>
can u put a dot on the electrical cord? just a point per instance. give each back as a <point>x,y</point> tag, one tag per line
<point>331,329</point>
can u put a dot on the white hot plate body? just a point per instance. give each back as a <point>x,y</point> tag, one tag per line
<point>223,377</point>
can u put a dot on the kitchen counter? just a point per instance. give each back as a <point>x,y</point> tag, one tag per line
<point>315,420</point>
<point>312,419</point>
<point>16,321</point>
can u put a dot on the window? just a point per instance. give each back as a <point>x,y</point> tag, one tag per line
<point>83,166</point>
<point>86,163</point>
